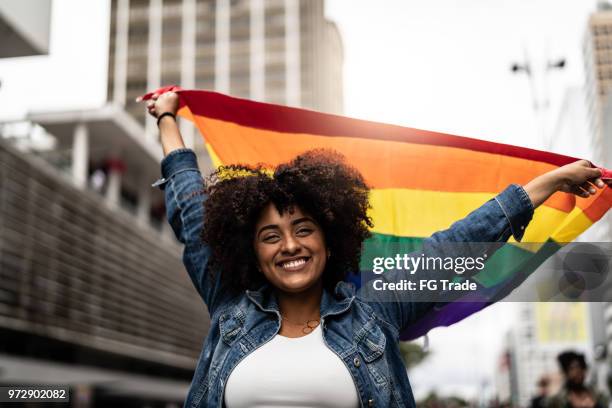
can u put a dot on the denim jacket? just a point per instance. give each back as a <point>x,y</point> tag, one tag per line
<point>364,335</point>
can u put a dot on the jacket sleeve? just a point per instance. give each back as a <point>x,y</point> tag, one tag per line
<point>184,197</point>
<point>508,214</point>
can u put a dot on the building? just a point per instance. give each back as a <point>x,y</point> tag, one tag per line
<point>91,297</point>
<point>24,33</point>
<point>601,343</point>
<point>531,347</point>
<point>278,51</point>
<point>597,51</point>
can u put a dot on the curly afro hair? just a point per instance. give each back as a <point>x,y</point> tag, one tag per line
<point>319,182</point>
<point>566,359</point>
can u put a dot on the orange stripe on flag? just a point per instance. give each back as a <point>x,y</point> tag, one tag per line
<point>239,144</point>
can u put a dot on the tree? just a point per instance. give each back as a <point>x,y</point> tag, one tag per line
<point>412,353</point>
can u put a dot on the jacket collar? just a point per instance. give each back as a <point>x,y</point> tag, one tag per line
<point>331,304</point>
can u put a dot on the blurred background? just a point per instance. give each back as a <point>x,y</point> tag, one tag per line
<point>92,290</point>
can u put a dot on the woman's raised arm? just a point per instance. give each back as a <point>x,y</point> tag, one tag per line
<point>508,214</point>
<point>184,197</point>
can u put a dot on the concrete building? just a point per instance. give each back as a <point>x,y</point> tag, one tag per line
<point>597,51</point>
<point>279,51</point>
<point>601,343</point>
<point>91,297</point>
<point>25,26</point>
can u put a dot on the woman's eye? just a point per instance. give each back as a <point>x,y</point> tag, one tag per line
<point>270,238</point>
<point>304,231</point>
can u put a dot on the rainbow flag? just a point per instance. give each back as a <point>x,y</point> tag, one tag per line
<point>421,181</point>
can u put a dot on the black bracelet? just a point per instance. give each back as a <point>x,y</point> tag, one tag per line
<point>160,117</point>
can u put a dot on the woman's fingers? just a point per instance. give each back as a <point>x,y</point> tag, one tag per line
<point>579,191</point>
<point>588,187</point>
<point>599,182</point>
<point>594,172</point>
<point>581,172</point>
<point>584,190</point>
<point>151,107</point>
<point>583,180</point>
<point>585,172</point>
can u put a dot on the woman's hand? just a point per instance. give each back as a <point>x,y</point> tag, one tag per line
<point>166,102</point>
<point>170,135</point>
<point>579,178</point>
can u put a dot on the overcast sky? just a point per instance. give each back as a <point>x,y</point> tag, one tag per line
<point>445,65</point>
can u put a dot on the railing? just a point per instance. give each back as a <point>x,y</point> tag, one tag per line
<point>73,269</point>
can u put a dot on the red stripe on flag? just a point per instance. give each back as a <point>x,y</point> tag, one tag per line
<point>292,120</point>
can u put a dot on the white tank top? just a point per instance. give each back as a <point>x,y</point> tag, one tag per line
<point>291,372</point>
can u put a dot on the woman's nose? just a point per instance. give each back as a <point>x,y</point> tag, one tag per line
<point>290,245</point>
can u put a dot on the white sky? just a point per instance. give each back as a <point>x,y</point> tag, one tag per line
<point>445,65</point>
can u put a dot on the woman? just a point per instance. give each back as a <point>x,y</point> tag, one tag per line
<point>269,259</point>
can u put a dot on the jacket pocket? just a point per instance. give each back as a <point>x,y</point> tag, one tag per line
<point>371,341</point>
<point>231,325</point>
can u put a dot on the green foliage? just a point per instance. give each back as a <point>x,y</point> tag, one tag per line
<point>412,353</point>
<point>434,401</point>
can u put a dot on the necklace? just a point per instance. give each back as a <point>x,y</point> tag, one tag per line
<point>307,326</point>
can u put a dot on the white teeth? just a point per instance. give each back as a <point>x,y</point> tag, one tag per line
<point>294,264</point>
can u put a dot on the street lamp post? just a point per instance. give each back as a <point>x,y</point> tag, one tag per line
<point>540,102</point>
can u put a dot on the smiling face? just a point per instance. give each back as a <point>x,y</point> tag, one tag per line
<point>290,249</point>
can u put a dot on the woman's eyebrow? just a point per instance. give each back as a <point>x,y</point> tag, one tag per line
<point>267,227</point>
<point>302,219</point>
<point>294,222</point>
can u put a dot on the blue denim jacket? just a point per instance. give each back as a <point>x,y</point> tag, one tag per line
<point>363,334</point>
